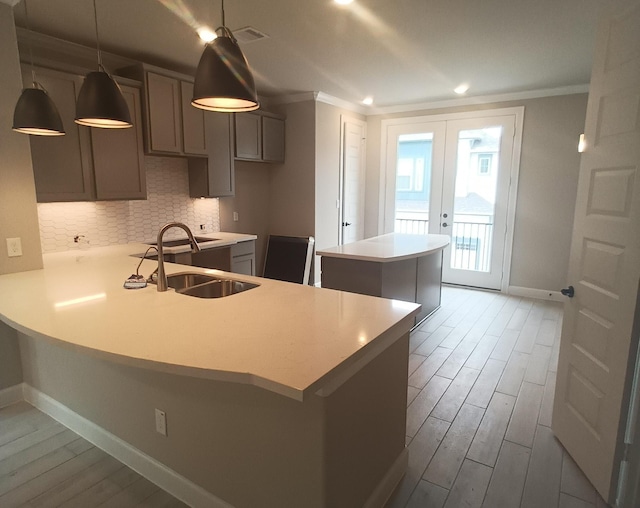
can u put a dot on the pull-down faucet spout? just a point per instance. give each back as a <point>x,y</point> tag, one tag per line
<point>162,276</point>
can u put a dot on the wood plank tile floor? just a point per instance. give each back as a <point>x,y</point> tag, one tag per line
<point>45,465</point>
<point>482,375</point>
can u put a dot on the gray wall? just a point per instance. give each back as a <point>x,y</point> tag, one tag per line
<point>18,212</point>
<point>547,185</point>
<point>10,366</point>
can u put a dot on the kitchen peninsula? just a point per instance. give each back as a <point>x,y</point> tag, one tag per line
<point>284,395</point>
<point>395,265</point>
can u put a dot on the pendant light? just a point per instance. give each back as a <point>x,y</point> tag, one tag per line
<point>223,81</point>
<point>35,113</point>
<point>100,102</point>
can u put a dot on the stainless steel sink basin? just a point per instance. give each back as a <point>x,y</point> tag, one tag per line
<point>218,288</point>
<point>201,285</point>
<point>184,280</point>
<point>183,241</point>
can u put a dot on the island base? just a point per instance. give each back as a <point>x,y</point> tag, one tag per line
<point>413,280</point>
<point>246,446</point>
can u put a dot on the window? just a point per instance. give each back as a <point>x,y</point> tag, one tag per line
<point>410,176</point>
<point>484,163</point>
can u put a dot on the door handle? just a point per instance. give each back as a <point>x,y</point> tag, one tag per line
<point>570,291</point>
<point>346,224</point>
<point>445,225</point>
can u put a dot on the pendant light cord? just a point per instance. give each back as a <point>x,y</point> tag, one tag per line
<point>223,23</point>
<point>33,70</point>
<point>95,18</point>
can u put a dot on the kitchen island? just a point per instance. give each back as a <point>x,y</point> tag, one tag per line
<point>395,265</point>
<point>283,395</point>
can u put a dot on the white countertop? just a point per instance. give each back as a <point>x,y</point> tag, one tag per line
<point>287,338</point>
<point>389,247</point>
<point>219,239</point>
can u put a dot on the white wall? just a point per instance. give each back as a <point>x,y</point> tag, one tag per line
<point>546,192</point>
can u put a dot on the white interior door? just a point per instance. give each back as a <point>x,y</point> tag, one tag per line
<point>353,180</point>
<point>598,337</point>
<point>475,196</point>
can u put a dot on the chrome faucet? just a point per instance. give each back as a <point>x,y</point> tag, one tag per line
<point>162,276</point>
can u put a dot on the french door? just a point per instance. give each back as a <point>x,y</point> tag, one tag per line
<point>453,176</point>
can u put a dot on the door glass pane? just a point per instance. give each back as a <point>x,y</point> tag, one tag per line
<point>413,183</point>
<point>475,198</point>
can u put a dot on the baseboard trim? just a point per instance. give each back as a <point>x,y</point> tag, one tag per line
<point>167,479</point>
<point>387,485</point>
<point>541,294</point>
<point>11,395</point>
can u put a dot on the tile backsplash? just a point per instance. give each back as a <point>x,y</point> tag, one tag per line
<point>102,223</point>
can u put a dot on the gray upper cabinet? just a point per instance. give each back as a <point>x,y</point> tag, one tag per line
<point>272,139</point>
<point>259,137</point>
<point>193,132</point>
<point>164,124</point>
<point>87,163</point>
<point>172,126</point>
<point>61,164</point>
<point>214,176</point>
<point>248,136</point>
<point>118,160</point>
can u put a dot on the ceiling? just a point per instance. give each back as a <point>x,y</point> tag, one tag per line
<point>397,51</point>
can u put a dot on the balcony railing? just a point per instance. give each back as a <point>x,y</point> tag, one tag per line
<point>470,242</point>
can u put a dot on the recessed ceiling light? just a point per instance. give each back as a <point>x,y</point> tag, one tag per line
<point>461,89</point>
<point>206,35</point>
<point>343,2</point>
<point>367,100</point>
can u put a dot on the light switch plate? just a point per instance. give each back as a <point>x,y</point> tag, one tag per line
<point>14,247</point>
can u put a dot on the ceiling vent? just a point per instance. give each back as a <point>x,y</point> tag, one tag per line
<point>248,34</point>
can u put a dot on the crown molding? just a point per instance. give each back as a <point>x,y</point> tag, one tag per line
<point>403,108</point>
<point>484,99</point>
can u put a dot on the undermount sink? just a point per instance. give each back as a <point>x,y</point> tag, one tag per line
<point>183,241</point>
<point>206,286</point>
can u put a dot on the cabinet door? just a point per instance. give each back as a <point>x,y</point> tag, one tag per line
<point>243,258</point>
<point>118,161</point>
<point>164,123</point>
<point>248,129</point>
<point>61,164</point>
<point>219,132</point>
<point>272,139</point>
<point>214,176</point>
<point>194,140</point>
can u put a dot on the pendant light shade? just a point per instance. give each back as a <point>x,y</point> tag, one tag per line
<point>223,80</point>
<point>35,113</point>
<point>101,104</point>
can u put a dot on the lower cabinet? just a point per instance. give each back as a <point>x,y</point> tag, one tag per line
<point>238,258</point>
<point>87,163</point>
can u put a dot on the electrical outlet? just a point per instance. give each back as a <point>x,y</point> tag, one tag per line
<point>161,422</point>
<point>235,216</point>
<point>14,247</point>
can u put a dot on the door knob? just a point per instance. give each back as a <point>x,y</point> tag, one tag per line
<point>346,224</point>
<point>445,225</point>
<point>568,291</point>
